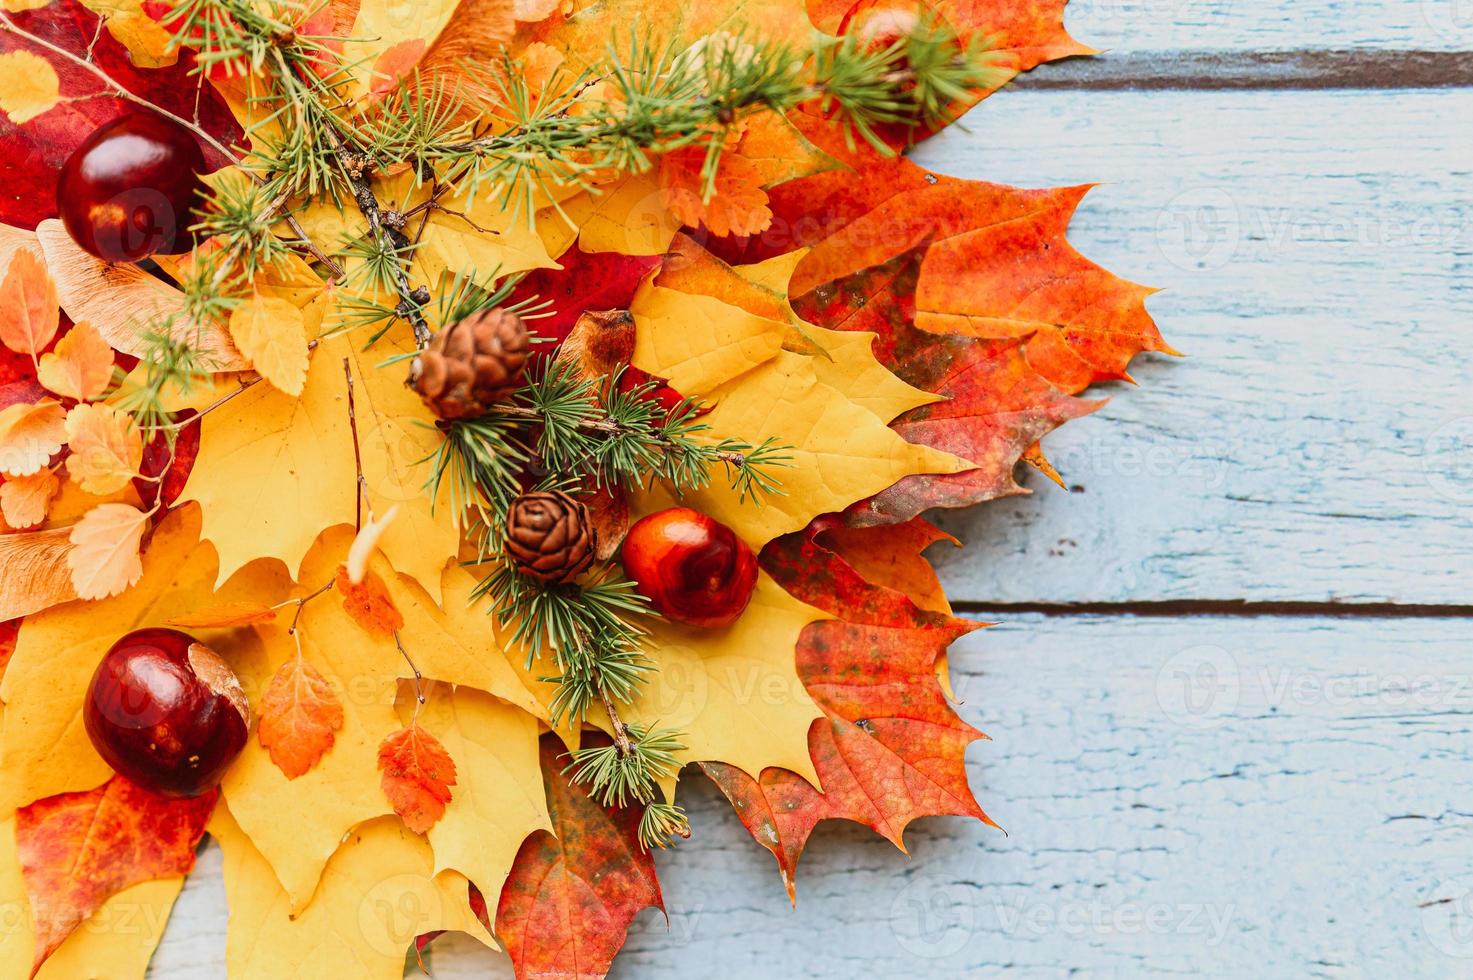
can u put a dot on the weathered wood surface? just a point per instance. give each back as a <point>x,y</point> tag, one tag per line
<point>1245,797</point>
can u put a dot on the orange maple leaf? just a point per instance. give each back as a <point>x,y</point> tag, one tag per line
<point>77,850</point>
<point>369,603</point>
<point>739,206</point>
<point>227,616</point>
<point>299,714</point>
<point>892,748</point>
<point>418,774</point>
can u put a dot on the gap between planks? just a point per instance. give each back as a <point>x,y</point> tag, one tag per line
<point>1183,608</point>
<point>1245,70</point>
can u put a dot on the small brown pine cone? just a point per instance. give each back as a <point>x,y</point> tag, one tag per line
<point>550,536</point>
<point>472,364</point>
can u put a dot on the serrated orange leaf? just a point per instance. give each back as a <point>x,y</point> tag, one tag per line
<point>28,86</point>
<point>298,715</point>
<point>369,603</point>
<point>30,434</point>
<point>272,332</point>
<point>29,311</point>
<point>106,448</point>
<point>104,557</point>
<point>739,205</point>
<point>24,500</point>
<point>81,366</point>
<point>227,616</point>
<point>78,849</point>
<point>417,776</point>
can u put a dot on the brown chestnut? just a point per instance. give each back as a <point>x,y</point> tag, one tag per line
<point>691,567</point>
<point>166,712</point>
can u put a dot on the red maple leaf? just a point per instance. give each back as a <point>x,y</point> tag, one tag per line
<point>570,898</point>
<point>77,850</point>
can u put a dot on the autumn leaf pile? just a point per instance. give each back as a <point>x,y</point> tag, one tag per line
<point>911,336</point>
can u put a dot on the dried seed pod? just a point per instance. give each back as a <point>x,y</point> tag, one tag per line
<point>550,536</point>
<point>472,364</point>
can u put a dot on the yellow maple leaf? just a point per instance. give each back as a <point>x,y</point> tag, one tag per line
<point>81,366</point>
<point>698,342</point>
<point>498,798</point>
<point>107,448</point>
<point>146,40</point>
<point>378,893</point>
<point>273,334</point>
<point>275,471</point>
<point>28,85</point>
<point>104,558</point>
<point>364,671</point>
<point>734,694</point>
<point>30,435</point>
<point>100,946</point>
<point>24,500</point>
<point>627,216</point>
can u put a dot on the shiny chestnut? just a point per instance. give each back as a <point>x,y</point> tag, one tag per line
<point>691,567</point>
<point>127,191</point>
<point>166,712</point>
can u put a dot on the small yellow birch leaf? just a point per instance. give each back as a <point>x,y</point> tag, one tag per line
<point>24,500</point>
<point>115,941</point>
<point>104,558</point>
<point>81,366</point>
<point>734,694</point>
<point>28,86</point>
<point>697,342</point>
<point>30,435</point>
<point>840,452</point>
<point>44,749</point>
<point>106,448</point>
<point>378,893</point>
<point>843,359</point>
<point>273,334</point>
<point>36,575</point>
<point>498,798</point>
<point>28,305</point>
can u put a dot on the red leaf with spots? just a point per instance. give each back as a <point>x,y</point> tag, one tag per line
<point>77,850</point>
<point>570,898</point>
<point>34,152</point>
<point>891,748</point>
